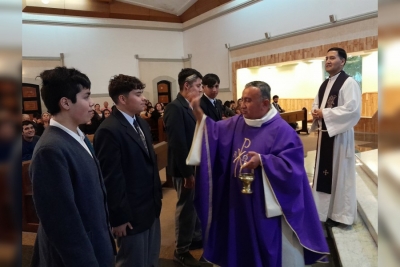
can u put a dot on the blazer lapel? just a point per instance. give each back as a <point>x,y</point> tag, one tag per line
<point>213,109</point>
<point>130,130</point>
<point>185,104</point>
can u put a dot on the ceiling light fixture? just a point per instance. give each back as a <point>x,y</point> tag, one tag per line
<point>267,35</point>
<point>332,18</point>
<point>227,45</point>
<point>45,2</point>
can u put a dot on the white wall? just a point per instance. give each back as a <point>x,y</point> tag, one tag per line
<point>153,72</point>
<point>299,80</point>
<point>370,72</point>
<point>104,52</point>
<point>100,52</point>
<point>206,41</point>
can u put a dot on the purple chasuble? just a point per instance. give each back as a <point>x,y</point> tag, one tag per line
<point>236,231</point>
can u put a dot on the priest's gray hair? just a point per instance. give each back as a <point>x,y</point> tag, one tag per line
<point>265,89</point>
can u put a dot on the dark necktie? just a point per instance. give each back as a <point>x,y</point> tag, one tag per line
<point>139,131</point>
<point>89,145</point>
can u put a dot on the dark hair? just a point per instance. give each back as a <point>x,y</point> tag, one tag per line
<point>341,52</point>
<point>227,103</point>
<point>36,115</point>
<point>122,85</point>
<point>275,96</point>
<point>188,75</point>
<point>210,80</point>
<point>265,89</point>
<point>61,82</point>
<point>25,123</point>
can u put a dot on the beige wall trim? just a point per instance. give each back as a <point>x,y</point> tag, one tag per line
<point>224,89</point>
<point>99,95</point>
<point>209,16</point>
<point>163,59</point>
<point>44,58</point>
<point>308,30</point>
<point>98,25</point>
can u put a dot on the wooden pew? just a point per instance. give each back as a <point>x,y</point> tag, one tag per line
<point>157,130</point>
<point>294,116</point>
<point>30,221</point>
<point>161,150</point>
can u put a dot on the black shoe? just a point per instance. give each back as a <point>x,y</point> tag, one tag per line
<point>186,259</point>
<point>196,245</point>
<point>332,223</point>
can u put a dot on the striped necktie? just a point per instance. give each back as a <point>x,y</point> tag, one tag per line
<point>139,131</point>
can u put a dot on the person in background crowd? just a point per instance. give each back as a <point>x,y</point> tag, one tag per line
<point>238,109</point>
<point>275,98</point>
<point>158,112</point>
<point>26,117</point>
<point>98,111</point>
<point>227,109</point>
<point>105,106</point>
<point>29,140</point>
<point>106,114</point>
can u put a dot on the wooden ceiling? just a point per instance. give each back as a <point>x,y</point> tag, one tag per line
<point>116,9</point>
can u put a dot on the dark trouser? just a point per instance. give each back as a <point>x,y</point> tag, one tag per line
<point>187,225</point>
<point>140,250</point>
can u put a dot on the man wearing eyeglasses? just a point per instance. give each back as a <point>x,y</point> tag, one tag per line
<point>180,123</point>
<point>208,102</point>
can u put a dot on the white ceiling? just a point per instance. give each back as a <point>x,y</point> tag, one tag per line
<point>175,7</point>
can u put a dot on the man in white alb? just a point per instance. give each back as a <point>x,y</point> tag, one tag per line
<point>336,110</point>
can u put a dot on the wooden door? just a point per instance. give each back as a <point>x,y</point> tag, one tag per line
<point>31,99</point>
<point>164,92</point>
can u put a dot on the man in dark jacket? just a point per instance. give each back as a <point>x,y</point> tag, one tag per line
<point>208,102</point>
<point>180,124</point>
<point>124,147</point>
<point>68,189</point>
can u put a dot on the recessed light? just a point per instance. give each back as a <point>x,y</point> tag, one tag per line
<point>45,1</point>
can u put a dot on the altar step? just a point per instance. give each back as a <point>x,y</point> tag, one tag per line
<point>357,244</point>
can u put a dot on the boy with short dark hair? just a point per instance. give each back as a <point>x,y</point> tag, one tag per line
<point>68,189</point>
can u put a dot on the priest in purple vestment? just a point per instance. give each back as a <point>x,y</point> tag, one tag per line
<point>276,225</point>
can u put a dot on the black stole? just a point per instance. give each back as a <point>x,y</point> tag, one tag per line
<point>324,182</point>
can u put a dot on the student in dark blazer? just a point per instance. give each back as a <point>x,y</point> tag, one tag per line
<point>124,147</point>
<point>68,189</point>
<point>208,102</point>
<point>180,124</point>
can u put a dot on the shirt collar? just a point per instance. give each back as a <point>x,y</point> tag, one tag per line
<point>333,78</point>
<point>79,133</point>
<point>127,117</point>
<point>212,100</point>
<point>258,122</point>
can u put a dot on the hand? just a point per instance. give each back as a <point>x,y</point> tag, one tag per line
<point>120,231</point>
<point>198,112</point>
<point>317,114</point>
<point>189,182</point>
<point>254,161</point>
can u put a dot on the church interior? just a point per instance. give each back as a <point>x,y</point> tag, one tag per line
<point>283,43</point>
